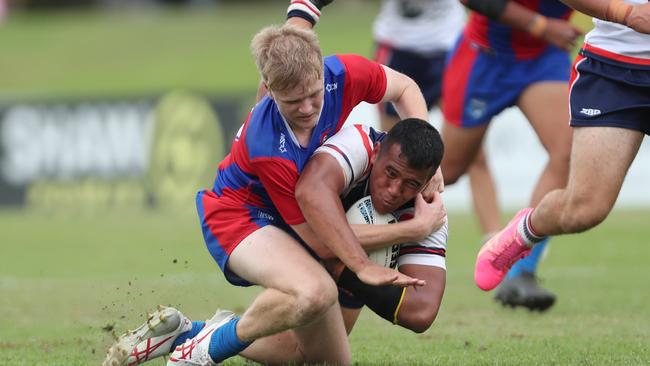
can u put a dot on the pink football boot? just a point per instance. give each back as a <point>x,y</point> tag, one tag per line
<point>499,254</point>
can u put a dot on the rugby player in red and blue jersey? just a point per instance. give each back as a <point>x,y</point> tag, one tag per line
<point>251,222</point>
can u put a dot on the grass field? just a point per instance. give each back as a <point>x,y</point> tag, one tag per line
<point>65,279</point>
<point>94,54</point>
<point>88,54</point>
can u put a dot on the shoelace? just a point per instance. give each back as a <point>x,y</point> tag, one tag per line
<point>506,255</point>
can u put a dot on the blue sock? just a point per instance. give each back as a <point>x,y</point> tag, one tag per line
<point>530,262</point>
<point>196,328</point>
<point>224,342</point>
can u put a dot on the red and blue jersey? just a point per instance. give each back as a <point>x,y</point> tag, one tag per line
<point>506,40</point>
<point>255,183</point>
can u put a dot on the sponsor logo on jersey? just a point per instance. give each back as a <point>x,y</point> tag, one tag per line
<point>476,108</point>
<point>590,112</point>
<point>325,135</point>
<point>283,144</point>
<point>331,87</point>
<point>265,216</point>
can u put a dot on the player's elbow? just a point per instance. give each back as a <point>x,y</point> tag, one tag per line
<point>305,195</point>
<point>421,321</point>
<point>420,318</point>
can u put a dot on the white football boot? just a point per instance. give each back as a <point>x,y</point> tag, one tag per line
<point>194,352</point>
<point>152,339</point>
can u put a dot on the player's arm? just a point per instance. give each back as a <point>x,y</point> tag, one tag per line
<point>635,16</point>
<point>414,309</point>
<point>427,218</point>
<point>318,198</point>
<point>325,179</point>
<point>305,13</point>
<point>405,95</point>
<point>557,32</point>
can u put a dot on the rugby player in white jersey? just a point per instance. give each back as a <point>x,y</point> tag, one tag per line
<point>610,116</point>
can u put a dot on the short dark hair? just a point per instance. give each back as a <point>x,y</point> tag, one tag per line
<point>420,143</point>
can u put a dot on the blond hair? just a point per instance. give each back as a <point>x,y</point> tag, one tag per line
<point>287,56</point>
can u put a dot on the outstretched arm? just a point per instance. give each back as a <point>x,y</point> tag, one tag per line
<point>405,95</point>
<point>635,16</point>
<point>557,32</point>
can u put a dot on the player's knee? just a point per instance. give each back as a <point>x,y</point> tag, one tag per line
<point>315,298</point>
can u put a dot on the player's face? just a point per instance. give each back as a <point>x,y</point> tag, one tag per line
<point>301,105</point>
<point>392,181</point>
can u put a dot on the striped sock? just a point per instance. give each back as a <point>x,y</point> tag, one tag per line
<point>527,231</point>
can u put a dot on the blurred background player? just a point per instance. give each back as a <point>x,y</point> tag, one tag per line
<point>514,53</point>
<point>414,37</point>
<point>610,116</point>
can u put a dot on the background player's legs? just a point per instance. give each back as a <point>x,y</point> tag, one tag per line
<point>545,104</point>
<point>600,159</point>
<point>462,144</point>
<point>484,196</point>
<point>298,293</point>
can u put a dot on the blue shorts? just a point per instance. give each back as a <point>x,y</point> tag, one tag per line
<point>425,69</point>
<point>480,83</point>
<point>225,224</point>
<point>608,93</point>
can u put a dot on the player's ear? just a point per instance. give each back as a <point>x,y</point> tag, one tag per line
<point>375,152</point>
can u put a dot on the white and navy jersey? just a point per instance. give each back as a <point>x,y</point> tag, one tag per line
<point>352,148</point>
<point>422,26</point>
<point>619,43</point>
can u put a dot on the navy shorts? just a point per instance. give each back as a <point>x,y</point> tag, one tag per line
<point>608,93</point>
<point>425,69</point>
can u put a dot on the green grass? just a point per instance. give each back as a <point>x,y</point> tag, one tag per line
<point>92,53</point>
<point>66,277</point>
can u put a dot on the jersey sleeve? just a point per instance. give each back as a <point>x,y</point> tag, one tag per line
<point>365,80</point>
<point>352,148</point>
<point>279,178</point>
<point>430,251</point>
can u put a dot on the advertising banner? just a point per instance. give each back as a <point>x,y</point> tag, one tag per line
<point>142,152</point>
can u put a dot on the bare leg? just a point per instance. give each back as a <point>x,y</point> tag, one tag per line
<point>545,105</point>
<point>600,159</point>
<point>484,195</point>
<point>273,259</point>
<point>461,147</point>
